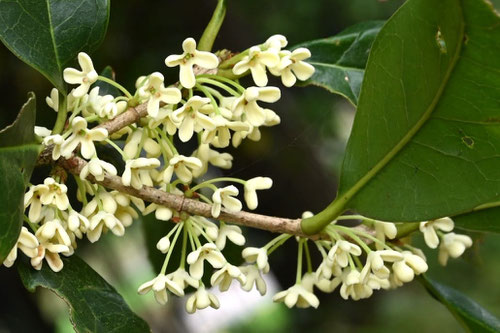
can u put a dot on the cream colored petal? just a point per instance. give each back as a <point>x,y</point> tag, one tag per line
<point>206,59</point>
<point>186,76</point>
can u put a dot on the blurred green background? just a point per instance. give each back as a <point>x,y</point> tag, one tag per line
<point>302,156</point>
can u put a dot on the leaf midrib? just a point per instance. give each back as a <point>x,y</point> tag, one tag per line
<point>347,196</point>
<point>52,37</point>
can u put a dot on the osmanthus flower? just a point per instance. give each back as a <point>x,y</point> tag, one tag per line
<point>411,264</point>
<point>56,140</point>
<point>77,223</point>
<point>184,168</point>
<point>256,255</point>
<point>160,285</point>
<point>325,284</point>
<point>375,263</point>
<point>250,189</point>
<point>84,137</point>
<point>225,197</point>
<point>53,241</point>
<point>275,43</point>
<point>183,279</point>
<point>300,295</point>
<point>53,233</point>
<point>453,245</point>
<point>124,211</point>
<point>97,168</point>
<point>256,61</point>
<point>190,119</point>
<point>131,147</point>
<point>42,132</point>
<point>224,276</point>
<point>353,286</point>
<point>254,278</point>
<point>190,57</point>
<point>220,136</point>
<point>207,155</point>
<point>27,243</point>
<point>55,194</point>
<point>85,78</point>
<point>292,67</point>
<point>231,232</point>
<point>32,200</point>
<point>164,118</point>
<point>383,230</point>
<point>429,230</point>
<point>136,173</point>
<point>161,212</point>
<point>210,228</point>
<point>154,90</point>
<point>208,252</point>
<point>201,299</point>
<point>340,252</point>
<point>53,100</point>
<point>247,104</point>
<point>102,221</point>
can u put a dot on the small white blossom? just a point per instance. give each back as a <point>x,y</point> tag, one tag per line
<point>55,194</point>
<point>253,277</point>
<point>375,263</point>
<point>411,264</point>
<point>32,199</point>
<point>256,61</point>
<point>340,252</point>
<point>96,168</point>
<point>257,255</point>
<point>224,276</point>
<point>201,299</point>
<point>84,137</point>
<point>231,232</point>
<point>136,173</point>
<point>429,230</point>
<point>183,279</point>
<point>208,252</point>
<point>159,285</point>
<point>247,104</point>
<point>188,59</point>
<point>211,229</point>
<point>300,295</point>
<point>276,42</point>
<point>42,132</point>
<point>225,197</point>
<point>252,185</point>
<point>291,67</point>
<point>207,155</point>
<point>84,78</point>
<point>155,92</point>
<point>453,245</point>
<point>383,230</point>
<point>27,243</point>
<point>184,168</point>
<point>162,213</point>
<point>191,119</point>
<point>353,286</point>
<point>57,140</point>
<point>101,222</point>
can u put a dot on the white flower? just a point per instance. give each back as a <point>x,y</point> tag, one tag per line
<point>84,78</point>
<point>340,252</point>
<point>429,230</point>
<point>207,155</point>
<point>184,168</point>
<point>231,232</point>
<point>190,119</point>
<point>411,264</point>
<point>156,92</point>
<point>257,255</point>
<point>382,230</point>
<point>276,42</point>
<point>251,185</point>
<point>375,263</point>
<point>326,285</point>
<point>57,140</point>
<point>453,245</point>
<point>42,132</point>
<point>51,255</point>
<point>188,59</point>
<point>220,136</point>
<point>77,223</point>
<point>55,194</point>
<point>136,172</point>
<point>300,295</point>
<point>84,137</point>
<point>291,67</point>
<point>256,61</point>
<point>162,213</point>
<point>32,199</point>
<point>224,197</point>
<point>96,168</point>
<point>224,276</point>
<point>353,286</point>
<point>211,229</point>
<point>53,100</point>
<point>247,104</point>
<point>27,243</point>
<point>104,220</point>
<point>183,279</point>
<point>201,299</point>
<point>208,252</point>
<point>53,240</point>
<point>253,277</point>
<point>159,285</point>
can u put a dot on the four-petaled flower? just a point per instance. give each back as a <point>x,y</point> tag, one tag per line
<point>84,78</point>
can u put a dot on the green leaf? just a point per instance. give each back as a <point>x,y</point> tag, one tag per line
<point>426,138</point>
<point>18,154</point>
<point>48,34</point>
<point>340,60</point>
<point>106,88</point>
<point>484,218</point>
<point>94,305</point>
<point>469,314</point>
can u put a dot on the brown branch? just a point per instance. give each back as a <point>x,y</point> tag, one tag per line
<point>191,206</point>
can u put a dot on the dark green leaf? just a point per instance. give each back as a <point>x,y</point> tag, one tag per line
<point>18,154</point>
<point>426,139</point>
<point>340,60</point>
<point>106,88</point>
<point>48,34</point>
<point>486,218</point>
<point>94,305</point>
<point>471,315</point>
